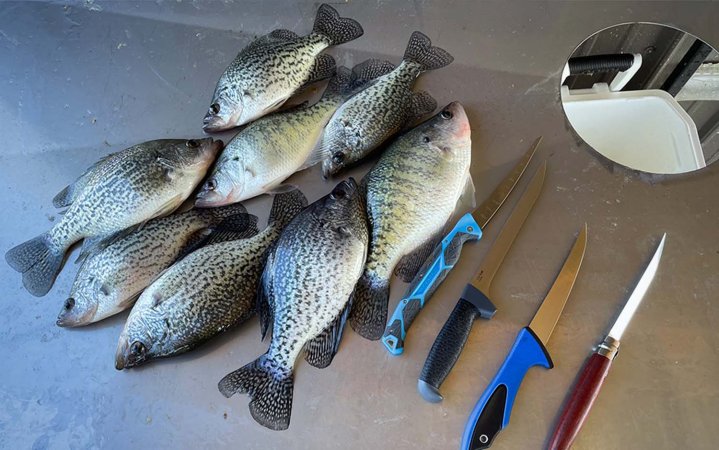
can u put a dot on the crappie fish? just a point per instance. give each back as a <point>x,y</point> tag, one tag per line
<point>274,67</point>
<point>411,193</point>
<point>121,190</point>
<point>304,296</point>
<point>203,294</point>
<point>376,113</point>
<point>261,156</point>
<point>111,279</point>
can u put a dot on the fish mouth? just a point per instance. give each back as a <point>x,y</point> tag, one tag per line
<point>214,147</point>
<point>328,170</point>
<point>208,198</point>
<point>214,124</point>
<point>129,355</point>
<point>72,316</point>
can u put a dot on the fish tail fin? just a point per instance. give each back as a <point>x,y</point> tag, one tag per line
<point>269,387</point>
<point>38,262</point>
<point>420,50</point>
<point>286,206</point>
<point>369,307</point>
<point>337,29</point>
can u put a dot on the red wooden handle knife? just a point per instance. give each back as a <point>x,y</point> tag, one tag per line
<point>595,370</point>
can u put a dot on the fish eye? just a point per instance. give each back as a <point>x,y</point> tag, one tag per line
<point>338,157</point>
<point>426,139</point>
<point>138,348</point>
<point>192,143</point>
<point>211,184</point>
<point>446,114</point>
<point>105,289</point>
<point>215,108</point>
<point>69,303</point>
<point>338,194</point>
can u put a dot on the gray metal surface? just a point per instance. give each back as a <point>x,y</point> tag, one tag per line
<point>78,82</point>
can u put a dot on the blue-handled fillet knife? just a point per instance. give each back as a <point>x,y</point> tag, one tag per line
<point>446,255</point>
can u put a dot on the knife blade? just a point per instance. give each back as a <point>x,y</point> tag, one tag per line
<point>474,301</point>
<point>595,370</point>
<point>444,257</point>
<point>491,413</point>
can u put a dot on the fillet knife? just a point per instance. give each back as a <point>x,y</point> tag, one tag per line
<point>492,411</point>
<point>597,366</point>
<point>474,301</point>
<point>435,269</point>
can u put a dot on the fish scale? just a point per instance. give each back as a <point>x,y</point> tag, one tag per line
<point>411,193</point>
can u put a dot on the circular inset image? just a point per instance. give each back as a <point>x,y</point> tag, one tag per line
<point>646,96</point>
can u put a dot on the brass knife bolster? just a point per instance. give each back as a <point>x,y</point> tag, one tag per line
<point>609,348</point>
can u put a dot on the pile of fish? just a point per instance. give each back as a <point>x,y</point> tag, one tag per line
<point>190,274</point>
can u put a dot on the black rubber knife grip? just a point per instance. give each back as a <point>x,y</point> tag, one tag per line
<point>587,65</point>
<point>449,344</point>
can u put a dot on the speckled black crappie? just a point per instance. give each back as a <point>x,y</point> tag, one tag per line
<point>304,298</point>
<point>203,294</point>
<point>121,190</point>
<point>111,279</point>
<point>411,193</point>
<point>376,113</point>
<point>272,68</point>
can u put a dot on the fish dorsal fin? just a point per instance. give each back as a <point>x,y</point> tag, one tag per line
<point>93,245</point>
<point>323,68</point>
<point>410,263</point>
<point>421,104</point>
<point>366,72</point>
<point>272,38</point>
<point>320,350</point>
<point>68,195</point>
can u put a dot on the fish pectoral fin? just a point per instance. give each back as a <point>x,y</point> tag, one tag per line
<point>410,263</point>
<point>129,301</point>
<point>466,201</point>
<point>316,156</point>
<point>320,350</point>
<point>167,207</point>
<point>265,296</point>
<point>274,106</point>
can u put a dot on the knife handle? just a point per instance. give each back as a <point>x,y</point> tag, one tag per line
<point>580,401</point>
<point>427,280</point>
<point>446,350</point>
<point>491,413</point>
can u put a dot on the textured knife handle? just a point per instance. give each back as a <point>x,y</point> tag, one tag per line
<point>427,280</point>
<point>580,402</point>
<point>446,350</point>
<point>491,413</point>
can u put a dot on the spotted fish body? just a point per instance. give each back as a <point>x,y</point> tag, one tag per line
<point>110,280</point>
<point>261,156</point>
<point>378,112</point>
<point>304,296</point>
<point>203,294</point>
<point>124,189</point>
<point>270,70</point>
<point>411,193</point>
